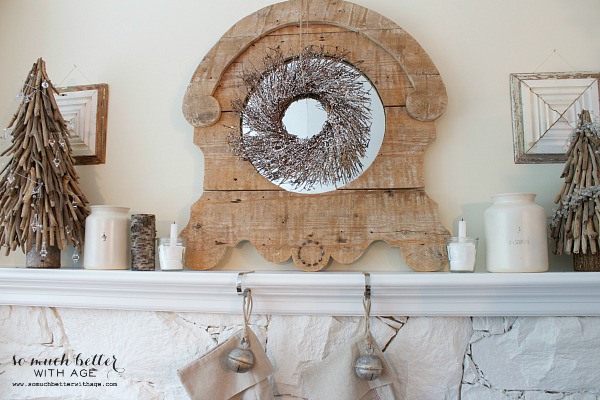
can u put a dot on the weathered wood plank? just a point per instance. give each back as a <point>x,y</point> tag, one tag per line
<point>313,228</point>
<point>378,29</point>
<point>398,165</point>
<point>376,63</point>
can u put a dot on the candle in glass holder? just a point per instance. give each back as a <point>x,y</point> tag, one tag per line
<point>462,250</point>
<point>171,251</point>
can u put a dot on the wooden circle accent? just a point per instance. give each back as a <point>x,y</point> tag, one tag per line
<point>311,255</point>
<point>200,110</point>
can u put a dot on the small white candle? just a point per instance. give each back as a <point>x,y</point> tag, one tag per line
<point>173,235</point>
<point>462,230</point>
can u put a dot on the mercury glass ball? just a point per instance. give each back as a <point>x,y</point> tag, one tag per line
<point>368,367</point>
<point>240,360</point>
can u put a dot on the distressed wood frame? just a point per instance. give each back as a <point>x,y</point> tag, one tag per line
<point>535,96</point>
<point>387,202</point>
<point>87,107</point>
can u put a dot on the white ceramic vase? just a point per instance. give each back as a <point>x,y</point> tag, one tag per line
<point>107,238</point>
<point>515,234</point>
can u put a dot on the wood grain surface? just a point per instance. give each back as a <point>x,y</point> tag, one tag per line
<point>387,202</point>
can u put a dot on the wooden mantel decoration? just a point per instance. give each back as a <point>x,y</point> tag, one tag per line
<point>387,202</point>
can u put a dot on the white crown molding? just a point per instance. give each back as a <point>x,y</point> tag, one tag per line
<point>302,293</point>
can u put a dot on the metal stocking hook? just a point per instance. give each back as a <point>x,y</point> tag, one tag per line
<point>367,309</point>
<point>239,284</point>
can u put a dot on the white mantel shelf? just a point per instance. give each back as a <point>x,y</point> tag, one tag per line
<point>302,293</point>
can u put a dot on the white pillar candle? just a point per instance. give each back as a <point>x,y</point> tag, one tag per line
<point>462,229</point>
<point>173,235</point>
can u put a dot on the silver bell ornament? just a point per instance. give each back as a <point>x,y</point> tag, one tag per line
<point>240,360</point>
<point>368,367</point>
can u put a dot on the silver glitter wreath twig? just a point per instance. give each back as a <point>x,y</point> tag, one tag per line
<point>331,157</point>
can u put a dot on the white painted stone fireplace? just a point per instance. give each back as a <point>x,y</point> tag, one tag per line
<point>448,336</point>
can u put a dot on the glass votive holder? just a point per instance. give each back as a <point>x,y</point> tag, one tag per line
<point>462,252</point>
<point>171,254</point>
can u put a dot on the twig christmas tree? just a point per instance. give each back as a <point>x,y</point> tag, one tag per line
<point>41,204</point>
<point>575,224</point>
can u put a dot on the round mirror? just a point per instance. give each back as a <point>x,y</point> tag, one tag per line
<point>304,118</point>
<point>332,121</point>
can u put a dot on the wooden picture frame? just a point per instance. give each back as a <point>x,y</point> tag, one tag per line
<point>545,107</point>
<point>85,110</point>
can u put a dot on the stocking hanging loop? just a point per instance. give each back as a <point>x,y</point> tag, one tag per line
<point>241,359</point>
<point>367,308</point>
<point>368,366</point>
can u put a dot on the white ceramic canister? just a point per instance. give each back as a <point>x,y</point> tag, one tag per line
<point>106,245</point>
<point>515,234</point>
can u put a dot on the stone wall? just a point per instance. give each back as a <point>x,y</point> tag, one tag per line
<point>434,358</point>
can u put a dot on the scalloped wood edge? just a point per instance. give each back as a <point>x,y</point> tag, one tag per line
<point>283,224</point>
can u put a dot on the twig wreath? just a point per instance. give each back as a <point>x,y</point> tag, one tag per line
<point>331,157</point>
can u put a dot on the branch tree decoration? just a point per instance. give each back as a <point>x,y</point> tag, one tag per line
<point>41,204</point>
<point>331,157</point>
<point>576,221</point>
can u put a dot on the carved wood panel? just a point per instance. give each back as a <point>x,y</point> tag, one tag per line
<point>387,202</point>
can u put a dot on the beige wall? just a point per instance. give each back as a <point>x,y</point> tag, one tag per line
<point>147,51</point>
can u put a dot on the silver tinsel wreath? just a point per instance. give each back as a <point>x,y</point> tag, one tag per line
<point>331,157</point>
